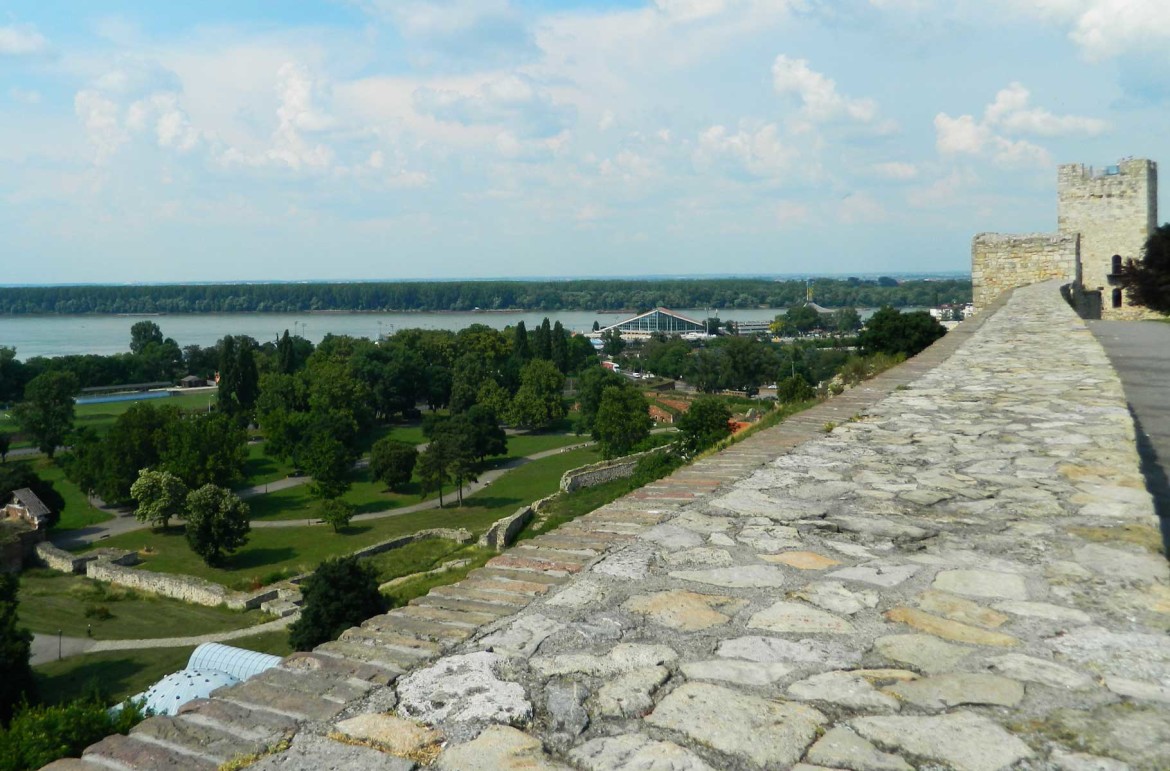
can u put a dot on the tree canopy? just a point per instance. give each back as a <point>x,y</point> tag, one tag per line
<point>891,331</point>
<point>341,593</point>
<point>217,522</point>
<point>1147,283</point>
<point>47,410</point>
<point>17,684</point>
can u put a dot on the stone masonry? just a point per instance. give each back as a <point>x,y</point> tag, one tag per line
<point>1001,262</point>
<point>961,574</point>
<point>1104,217</point>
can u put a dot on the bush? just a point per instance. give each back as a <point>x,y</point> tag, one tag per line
<point>342,593</point>
<point>704,424</point>
<point>794,389</point>
<point>653,467</point>
<point>39,735</point>
<point>100,612</point>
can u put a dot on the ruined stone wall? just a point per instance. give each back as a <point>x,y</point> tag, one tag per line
<point>185,588</point>
<point>56,558</point>
<point>599,473</point>
<point>458,536</point>
<point>1001,261</point>
<point>1114,211</point>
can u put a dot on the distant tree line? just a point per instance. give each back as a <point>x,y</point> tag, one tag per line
<point>585,294</point>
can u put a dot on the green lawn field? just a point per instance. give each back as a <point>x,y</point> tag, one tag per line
<point>272,553</point>
<point>51,601</point>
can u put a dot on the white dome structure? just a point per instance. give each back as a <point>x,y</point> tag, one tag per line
<point>211,666</point>
<point>173,691</point>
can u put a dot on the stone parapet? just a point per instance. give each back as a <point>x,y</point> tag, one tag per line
<point>1000,262</point>
<point>961,574</point>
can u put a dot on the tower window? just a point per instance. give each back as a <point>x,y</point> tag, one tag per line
<point>1116,298</point>
<point>1116,264</point>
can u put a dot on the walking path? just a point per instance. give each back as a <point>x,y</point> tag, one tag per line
<point>1140,352</point>
<point>961,579</point>
<point>45,646</point>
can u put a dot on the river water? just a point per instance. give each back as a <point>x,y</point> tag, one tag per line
<point>64,335</point>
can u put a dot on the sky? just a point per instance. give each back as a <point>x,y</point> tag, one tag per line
<point>242,140</point>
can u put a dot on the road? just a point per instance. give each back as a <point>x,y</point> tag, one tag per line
<point>1140,352</point>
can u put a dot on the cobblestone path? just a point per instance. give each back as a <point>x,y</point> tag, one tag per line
<point>965,578</point>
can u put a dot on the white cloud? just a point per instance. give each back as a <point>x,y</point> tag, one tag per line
<point>446,32</point>
<point>817,93</point>
<point>606,121</point>
<point>100,116</point>
<point>171,125</point>
<point>1007,117</point>
<point>297,116</point>
<point>686,10</point>
<point>21,40</point>
<point>860,209</point>
<point>514,101</point>
<point>754,149</point>
<point>1010,112</point>
<point>896,170</point>
<point>25,95</point>
<point>792,213</point>
<point>1107,28</point>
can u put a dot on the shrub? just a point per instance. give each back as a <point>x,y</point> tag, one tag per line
<point>342,593</point>
<point>39,735</point>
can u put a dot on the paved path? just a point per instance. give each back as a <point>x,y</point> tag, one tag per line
<point>1140,352</point>
<point>45,646</point>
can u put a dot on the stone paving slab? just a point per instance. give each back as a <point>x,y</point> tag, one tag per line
<point>958,575</point>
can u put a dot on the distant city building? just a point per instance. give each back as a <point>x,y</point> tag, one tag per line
<point>657,321</point>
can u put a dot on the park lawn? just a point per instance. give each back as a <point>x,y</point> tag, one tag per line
<point>100,417</point>
<point>51,601</point>
<point>78,512</point>
<point>260,468</point>
<point>121,674</point>
<point>366,495</point>
<point>276,552</point>
<point>117,674</point>
<point>523,445</point>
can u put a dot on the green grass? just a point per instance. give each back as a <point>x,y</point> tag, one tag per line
<point>568,506</point>
<point>300,549</point>
<point>51,601</point>
<point>366,495</point>
<point>100,417</point>
<point>78,511</point>
<point>529,444</point>
<point>403,593</point>
<point>260,468</point>
<point>120,674</point>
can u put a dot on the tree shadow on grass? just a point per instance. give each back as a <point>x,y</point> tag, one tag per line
<point>109,676</point>
<point>250,559</point>
<point>487,502</point>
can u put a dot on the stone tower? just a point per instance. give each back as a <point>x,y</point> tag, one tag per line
<point>1114,210</point>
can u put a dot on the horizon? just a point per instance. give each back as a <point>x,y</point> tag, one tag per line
<point>248,142</point>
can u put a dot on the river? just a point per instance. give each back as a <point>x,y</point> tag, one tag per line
<point>101,334</point>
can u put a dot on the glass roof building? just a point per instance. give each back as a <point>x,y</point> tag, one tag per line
<point>211,666</point>
<point>657,321</point>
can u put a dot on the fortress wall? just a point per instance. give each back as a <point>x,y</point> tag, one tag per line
<point>1000,262</point>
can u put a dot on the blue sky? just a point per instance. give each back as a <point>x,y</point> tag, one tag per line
<point>382,139</point>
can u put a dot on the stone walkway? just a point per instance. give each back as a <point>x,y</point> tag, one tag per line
<point>963,577</point>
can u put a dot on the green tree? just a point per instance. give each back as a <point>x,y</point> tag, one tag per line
<point>393,462</point>
<point>1147,283</point>
<point>5,443</point>
<point>340,594</point>
<point>239,380</point>
<point>590,386</point>
<point>794,389</point>
<point>329,461</point>
<point>487,437</point>
<point>38,735</point>
<point>160,495</point>
<point>433,472</point>
<point>520,348</point>
<point>705,423</point>
<point>47,410</point>
<point>542,344</point>
<point>454,441</point>
<point>142,334</point>
<point>470,374</point>
<point>802,318</point>
<point>206,449</point>
<point>286,355</point>
<point>846,320</point>
<point>623,420</point>
<point>891,331</point>
<point>559,348</point>
<point>336,513</point>
<point>538,402</point>
<point>612,342</point>
<point>17,684</point>
<point>217,522</point>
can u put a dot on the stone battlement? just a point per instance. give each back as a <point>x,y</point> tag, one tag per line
<point>961,574</point>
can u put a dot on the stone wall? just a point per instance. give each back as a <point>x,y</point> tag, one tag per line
<point>185,588</point>
<point>458,536</point>
<point>1000,262</point>
<point>1114,211</point>
<point>599,473</point>
<point>55,558</point>
<point>505,530</point>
